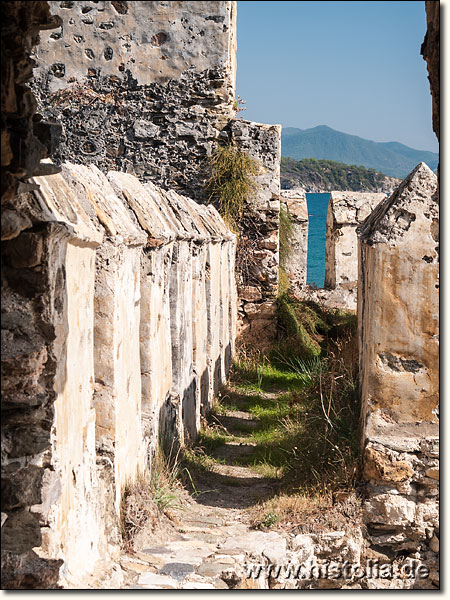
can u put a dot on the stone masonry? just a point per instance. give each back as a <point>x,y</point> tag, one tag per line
<point>119,300</point>
<point>257,256</point>
<point>27,363</point>
<point>295,264</point>
<point>430,51</point>
<point>140,87</point>
<point>149,88</point>
<point>122,377</point>
<point>346,211</point>
<point>398,308</point>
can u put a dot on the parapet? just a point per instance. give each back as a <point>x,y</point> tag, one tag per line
<point>398,313</point>
<point>152,41</point>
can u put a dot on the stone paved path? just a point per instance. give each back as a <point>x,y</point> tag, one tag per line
<point>214,542</point>
<point>210,543</point>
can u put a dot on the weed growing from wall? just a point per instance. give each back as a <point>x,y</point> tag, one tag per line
<point>231,182</point>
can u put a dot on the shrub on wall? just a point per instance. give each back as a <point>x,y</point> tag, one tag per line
<point>231,182</point>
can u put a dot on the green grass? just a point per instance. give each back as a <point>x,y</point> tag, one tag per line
<point>286,232</point>
<point>305,405</point>
<point>265,377</point>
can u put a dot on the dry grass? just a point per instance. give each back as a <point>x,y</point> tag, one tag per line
<point>138,510</point>
<point>231,182</point>
<point>307,513</point>
<point>147,500</point>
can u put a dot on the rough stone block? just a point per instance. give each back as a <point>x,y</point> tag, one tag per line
<point>398,308</point>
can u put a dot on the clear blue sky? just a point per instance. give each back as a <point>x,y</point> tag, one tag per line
<point>354,66</point>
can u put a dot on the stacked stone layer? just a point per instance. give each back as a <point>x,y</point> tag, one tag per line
<point>296,262</point>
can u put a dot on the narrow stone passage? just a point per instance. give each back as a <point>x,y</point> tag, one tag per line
<point>215,542</point>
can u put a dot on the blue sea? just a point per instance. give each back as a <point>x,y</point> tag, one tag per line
<point>317,210</point>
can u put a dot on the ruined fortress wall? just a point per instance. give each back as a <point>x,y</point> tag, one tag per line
<point>398,311</point>
<point>154,41</point>
<point>140,87</point>
<point>148,88</point>
<point>398,316</point>
<point>122,376</point>
<point>346,210</point>
<point>258,250</point>
<point>430,51</point>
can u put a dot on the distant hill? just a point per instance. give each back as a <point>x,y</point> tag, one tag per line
<point>322,142</point>
<point>327,175</point>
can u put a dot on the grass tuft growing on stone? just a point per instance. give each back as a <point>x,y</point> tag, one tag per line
<point>300,327</point>
<point>231,182</point>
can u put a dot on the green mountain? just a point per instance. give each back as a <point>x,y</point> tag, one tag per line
<point>327,175</point>
<point>322,142</point>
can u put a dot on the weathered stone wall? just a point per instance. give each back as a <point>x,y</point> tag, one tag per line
<point>88,405</point>
<point>154,41</point>
<point>258,250</point>
<point>25,138</point>
<point>346,210</point>
<point>55,388</point>
<point>157,107</point>
<point>295,264</point>
<point>148,88</point>
<point>398,308</point>
<point>431,53</point>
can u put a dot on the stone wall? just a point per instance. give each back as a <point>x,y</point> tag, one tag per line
<point>25,138</point>
<point>127,280</point>
<point>346,210</point>
<point>295,263</point>
<point>158,108</point>
<point>431,53</point>
<point>257,257</point>
<point>140,87</point>
<point>28,365</point>
<point>398,311</point>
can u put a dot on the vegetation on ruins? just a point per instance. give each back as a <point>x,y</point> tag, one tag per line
<point>302,396</point>
<point>239,105</point>
<point>328,175</point>
<point>145,502</point>
<point>231,182</point>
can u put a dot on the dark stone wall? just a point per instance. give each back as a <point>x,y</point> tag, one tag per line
<point>25,139</point>
<point>158,132</point>
<point>158,107</point>
<point>430,51</point>
<point>27,367</point>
